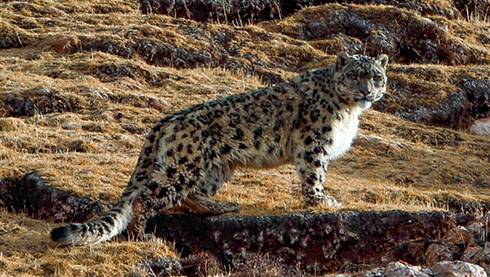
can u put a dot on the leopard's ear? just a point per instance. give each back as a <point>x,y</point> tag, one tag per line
<point>383,60</point>
<point>342,59</point>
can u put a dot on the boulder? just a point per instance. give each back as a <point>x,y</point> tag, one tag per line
<point>481,127</point>
<point>457,269</point>
<point>400,269</point>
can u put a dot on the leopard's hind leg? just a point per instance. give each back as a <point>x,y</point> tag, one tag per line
<point>204,205</point>
<point>199,200</point>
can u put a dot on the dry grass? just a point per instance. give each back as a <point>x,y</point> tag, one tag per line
<point>92,148</point>
<point>25,251</point>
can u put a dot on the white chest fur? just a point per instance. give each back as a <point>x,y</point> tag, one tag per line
<point>343,132</point>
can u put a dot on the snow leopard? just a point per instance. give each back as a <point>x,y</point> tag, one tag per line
<point>188,156</point>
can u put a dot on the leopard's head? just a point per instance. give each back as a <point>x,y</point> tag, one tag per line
<point>361,78</point>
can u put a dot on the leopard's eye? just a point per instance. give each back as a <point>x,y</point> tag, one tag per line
<point>352,75</point>
<point>377,78</point>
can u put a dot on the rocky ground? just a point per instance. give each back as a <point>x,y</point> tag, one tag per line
<point>81,82</point>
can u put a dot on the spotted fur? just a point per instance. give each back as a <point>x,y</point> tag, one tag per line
<point>188,155</point>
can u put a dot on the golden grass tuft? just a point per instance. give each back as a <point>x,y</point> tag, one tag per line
<point>11,124</point>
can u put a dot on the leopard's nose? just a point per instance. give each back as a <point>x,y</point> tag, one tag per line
<point>365,92</point>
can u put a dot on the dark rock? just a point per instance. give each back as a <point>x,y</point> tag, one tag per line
<point>320,243</point>
<point>133,128</point>
<point>42,100</point>
<point>162,267</point>
<point>78,146</point>
<point>453,113</point>
<point>31,195</point>
<point>477,91</point>
<point>446,251</point>
<point>201,264</point>
<point>116,71</point>
<point>464,107</point>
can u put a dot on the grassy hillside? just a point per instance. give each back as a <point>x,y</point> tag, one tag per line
<point>81,83</point>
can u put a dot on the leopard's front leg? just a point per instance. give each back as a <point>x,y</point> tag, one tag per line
<point>311,163</point>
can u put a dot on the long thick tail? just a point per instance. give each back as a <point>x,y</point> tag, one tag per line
<point>107,226</point>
